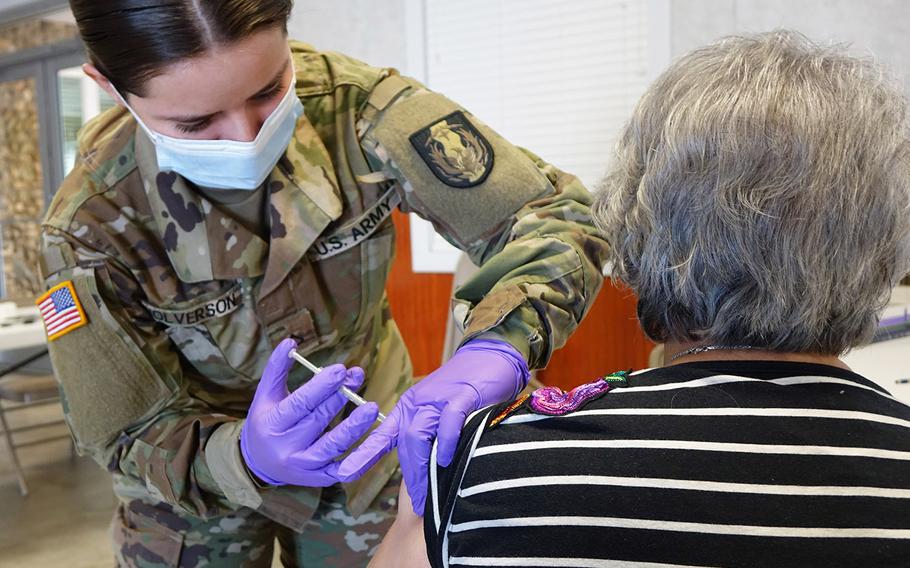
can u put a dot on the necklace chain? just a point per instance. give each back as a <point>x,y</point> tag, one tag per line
<point>705,348</point>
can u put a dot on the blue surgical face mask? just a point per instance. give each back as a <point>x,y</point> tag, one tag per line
<point>229,164</point>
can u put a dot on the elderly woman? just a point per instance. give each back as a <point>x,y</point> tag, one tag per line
<point>759,207</point>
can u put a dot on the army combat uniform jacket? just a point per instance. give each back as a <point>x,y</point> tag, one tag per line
<point>182,304</point>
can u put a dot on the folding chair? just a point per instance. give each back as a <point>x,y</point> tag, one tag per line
<point>24,391</point>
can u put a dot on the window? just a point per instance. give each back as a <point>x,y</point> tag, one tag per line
<point>559,78</point>
<point>80,100</point>
<point>34,128</point>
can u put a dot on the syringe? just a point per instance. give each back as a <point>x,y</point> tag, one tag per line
<point>345,391</point>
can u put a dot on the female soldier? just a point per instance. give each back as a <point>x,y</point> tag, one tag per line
<point>241,195</point>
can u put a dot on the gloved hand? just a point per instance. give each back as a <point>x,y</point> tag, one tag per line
<point>480,373</point>
<point>282,440</point>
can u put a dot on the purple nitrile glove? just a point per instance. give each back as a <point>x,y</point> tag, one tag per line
<point>282,440</point>
<point>480,373</point>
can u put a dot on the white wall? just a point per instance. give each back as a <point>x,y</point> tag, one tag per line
<point>873,27</point>
<point>378,31</point>
<point>4,4</point>
<point>11,10</point>
<point>370,30</point>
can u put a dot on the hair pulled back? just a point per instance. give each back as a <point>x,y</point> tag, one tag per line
<point>132,41</point>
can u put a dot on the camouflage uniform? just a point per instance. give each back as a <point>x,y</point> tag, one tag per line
<point>184,304</point>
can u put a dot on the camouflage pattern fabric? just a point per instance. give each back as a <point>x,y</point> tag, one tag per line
<point>335,537</point>
<point>184,304</point>
<point>154,535</point>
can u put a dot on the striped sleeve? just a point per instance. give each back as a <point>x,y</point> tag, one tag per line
<point>444,483</point>
<point>716,469</point>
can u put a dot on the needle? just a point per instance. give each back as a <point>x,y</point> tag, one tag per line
<point>345,391</point>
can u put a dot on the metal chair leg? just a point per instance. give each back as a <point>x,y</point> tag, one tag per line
<point>7,433</point>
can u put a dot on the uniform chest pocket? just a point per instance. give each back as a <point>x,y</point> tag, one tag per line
<point>336,289</point>
<point>356,279</point>
<point>217,333</point>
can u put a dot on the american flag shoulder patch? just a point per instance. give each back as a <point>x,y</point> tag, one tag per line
<point>61,310</point>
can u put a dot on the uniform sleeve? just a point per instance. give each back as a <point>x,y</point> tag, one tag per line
<point>125,391</point>
<point>540,276</point>
<point>524,222</point>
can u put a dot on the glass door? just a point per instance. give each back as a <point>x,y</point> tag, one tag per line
<point>44,101</point>
<point>22,179</point>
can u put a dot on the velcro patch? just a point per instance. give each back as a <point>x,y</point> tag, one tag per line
<point>108,382</point>
<point>436,150</point>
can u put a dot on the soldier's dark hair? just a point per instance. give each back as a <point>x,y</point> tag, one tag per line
<point>132,41</point>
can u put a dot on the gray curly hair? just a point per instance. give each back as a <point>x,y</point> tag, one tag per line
<point>760,195</point>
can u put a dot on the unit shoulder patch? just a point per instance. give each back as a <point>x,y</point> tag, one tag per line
<point>434,149</point>
<point>455,151</point>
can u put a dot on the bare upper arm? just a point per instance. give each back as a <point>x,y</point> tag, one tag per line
<point>404,546</point>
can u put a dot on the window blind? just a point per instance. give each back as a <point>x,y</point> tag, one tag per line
<point>559,78</point>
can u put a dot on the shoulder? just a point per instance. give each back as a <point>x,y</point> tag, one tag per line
<point>323,72</point>
<point>488,431</point>
<point>105,160</point>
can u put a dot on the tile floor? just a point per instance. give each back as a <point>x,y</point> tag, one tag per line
<point>64,519</point>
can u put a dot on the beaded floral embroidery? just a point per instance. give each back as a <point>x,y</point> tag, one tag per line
<point>553,401</point>
<point>509,410</point>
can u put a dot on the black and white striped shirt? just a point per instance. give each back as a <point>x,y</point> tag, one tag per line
<point>702,464</point>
